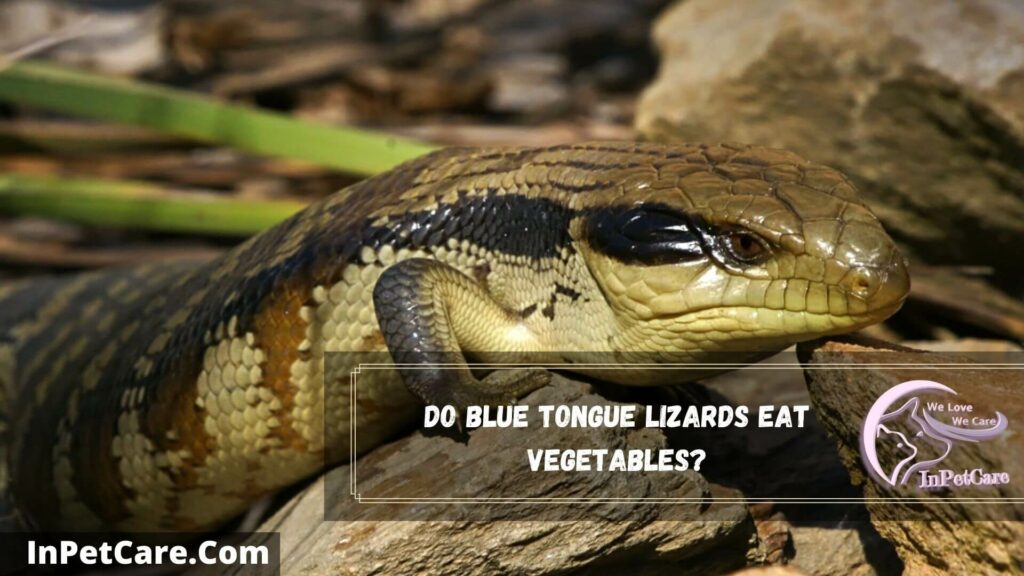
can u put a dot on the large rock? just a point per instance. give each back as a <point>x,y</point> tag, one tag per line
<point>841,548</point>
<point>920,102</point>
<point>932,534</point>
<point>802,461</point>
<point>642,538</point>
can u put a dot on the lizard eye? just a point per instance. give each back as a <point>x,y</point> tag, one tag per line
<point>647,235</point>
<point>745,247</point>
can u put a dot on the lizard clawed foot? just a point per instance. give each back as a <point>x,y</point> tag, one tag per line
<point>507,386</point>
<point>501,387</point>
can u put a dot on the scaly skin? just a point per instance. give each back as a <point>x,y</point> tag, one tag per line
<point>170,396</point>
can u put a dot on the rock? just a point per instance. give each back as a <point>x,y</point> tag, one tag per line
<point>775,544</point>
<point>842,548</point>
<point>967,346</point>
<point>640,538</point>
<point>769,571</point>
<point>800,462</point>
<point>932,534</point>
<point>769,463</point>
<point>920,102</point>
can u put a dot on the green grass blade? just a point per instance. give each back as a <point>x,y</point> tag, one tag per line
<point>200,117</point>
<point>138,205</point>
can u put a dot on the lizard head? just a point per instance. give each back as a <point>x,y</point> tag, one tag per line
<point>739,250</point>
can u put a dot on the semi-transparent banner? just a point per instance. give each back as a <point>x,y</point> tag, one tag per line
<point>824,435</point>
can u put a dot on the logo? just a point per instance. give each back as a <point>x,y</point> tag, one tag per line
<point>903,444</point>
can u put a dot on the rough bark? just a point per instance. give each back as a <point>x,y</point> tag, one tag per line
<point>641,538</point>
<point>936,536</point>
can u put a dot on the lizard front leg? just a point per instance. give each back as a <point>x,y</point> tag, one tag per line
<point>429,314</point>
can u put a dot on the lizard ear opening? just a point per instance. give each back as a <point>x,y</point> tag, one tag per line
<point>644,235</point>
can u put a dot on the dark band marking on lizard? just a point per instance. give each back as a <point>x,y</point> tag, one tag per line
<point>171,396</point>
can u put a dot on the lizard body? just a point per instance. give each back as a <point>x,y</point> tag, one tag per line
<point>170,396</point>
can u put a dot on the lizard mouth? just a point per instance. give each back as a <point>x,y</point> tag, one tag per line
<point>869,296</point>
<point>759,328</point>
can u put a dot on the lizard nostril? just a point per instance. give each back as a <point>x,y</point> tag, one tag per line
<point>878,288</point>
<point>861,282</point>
